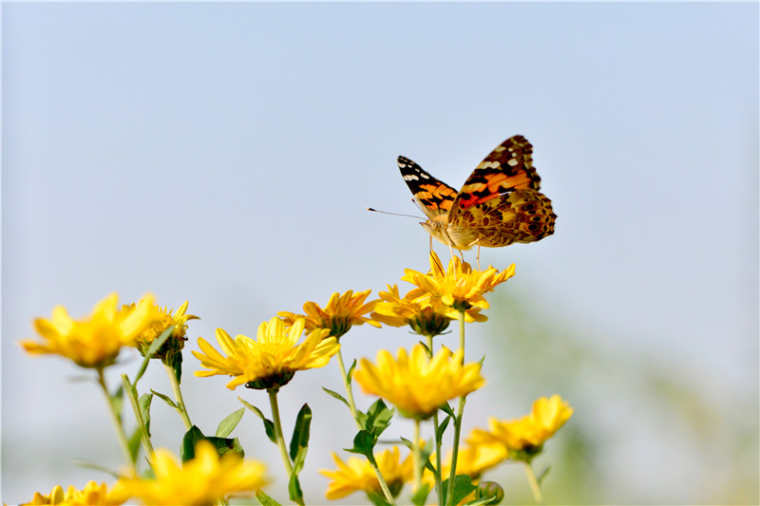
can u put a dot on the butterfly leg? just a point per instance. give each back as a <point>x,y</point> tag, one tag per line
<point>477,257</point>
<point>461,254</point>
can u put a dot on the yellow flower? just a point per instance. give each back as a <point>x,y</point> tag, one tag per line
<point>94,341</point>
<point>472,460</point>
<point>357,474</point>
<point>421,314</point>
<point>529,432</point>
<point>200,481</point>
<point>417,384</point>
<point>91,495</point>
<point>338,316</point>
<point>162,318</point>
<point>459,287</point>
<point>270,360</point>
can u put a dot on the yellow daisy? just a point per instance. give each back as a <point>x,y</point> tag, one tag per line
<point>338,316</point>
<point>458,287</point>
<point>163,319</point>
<point>357,474</point>
<point>92,494</point>
<point>529,432</point>
<point>418,384</point>
<point>203,480</point>
<point>421,314</point>
<point>270,360</point>
<point>94,341</point>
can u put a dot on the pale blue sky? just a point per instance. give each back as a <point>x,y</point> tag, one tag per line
<point>226,153</point>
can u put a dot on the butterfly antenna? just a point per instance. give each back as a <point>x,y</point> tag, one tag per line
<point>372,209</point>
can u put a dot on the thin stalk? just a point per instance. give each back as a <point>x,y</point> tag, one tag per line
<point>180,401</point>
<point>437,442</point>
<point>417,456</point>
<point>352,407</point>
<point>278,434</point>
<point>457,421</point>
<point>534,487</point>
<point>116,422</point>
<point>144,438</point>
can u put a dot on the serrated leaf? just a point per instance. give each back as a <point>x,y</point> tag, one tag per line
<point>268,424</point>
<point>229,423</point>
<point>164,398</point>
<point>350,372</point>
<point>420,496</point>
<point>333,393</point>
<point>299,443</point>
<point>265,500</point>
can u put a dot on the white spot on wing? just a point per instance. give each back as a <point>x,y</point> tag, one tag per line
<point>410,177</point>
<point>512,162</point>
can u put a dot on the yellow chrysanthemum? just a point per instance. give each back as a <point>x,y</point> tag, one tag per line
<point>92,494</point>
<point>338,316</point>
<point>459,287</point>
<point>270,360</point>
<point>203,480</point>
<point>424,317</point>
<point>418,384</point>
<point>94,341</point>
<point>472,460</point>
<point>357,474</point>
<point>529,432</point>
<point>162,318</point>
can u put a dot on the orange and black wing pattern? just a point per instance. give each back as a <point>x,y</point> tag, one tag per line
<point>500,203</point>
<point>434,197</point>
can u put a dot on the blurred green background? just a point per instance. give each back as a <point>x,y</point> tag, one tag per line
<point>226,153</point>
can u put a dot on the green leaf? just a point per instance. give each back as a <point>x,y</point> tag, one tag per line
<point>117,400</point>
<point>378,418</point>
<point>336,395</point>
<point>350,371</point>
<point>265,500</point>
<point>268,425</point>
<point>462,488</point>
<point>229,423</point>
<point>134,443</point>
<point>223,445</point>
<point>89,465</point>
<point>542,475</point>
<point>144,402</point>
<point>446,408</point>
<point>407,443</point>
<point>164,398</point>
<point>294,489</point>
<point>442,428</point>
<point>299,443</point>
<point>364,443</point>
<point>420,496</point>
<point>155,345</point>
<point>189,441</point>
<point>376,498</point>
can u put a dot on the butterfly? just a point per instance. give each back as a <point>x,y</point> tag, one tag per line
<point>499,204</point>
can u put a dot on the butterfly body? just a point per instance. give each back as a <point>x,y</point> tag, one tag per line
<point>499,204</point>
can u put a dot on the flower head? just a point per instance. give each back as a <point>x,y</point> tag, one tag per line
<point>338,316</point>
<point>92,494</point>
<point>418,384</point>
<point>527,434</point>
<point>458,287</point>
<point>162,319</point>
<point>203,480</point>
<point>94,341</point>
<point>422,314</point>
<point>357,474</point>
<point>270,360</point>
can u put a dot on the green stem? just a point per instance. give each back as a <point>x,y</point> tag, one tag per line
<point>144,437</point>
<point>417,456</point>
<point>278,435</point>
<point>116,421</point>
<point>437,441</point>
<point>352,407</point>
<point>457,421</point>
<point>534,487</point>
<point>180,401</point>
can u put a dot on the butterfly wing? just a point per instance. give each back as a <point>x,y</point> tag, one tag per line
<point>434,197</point>
<point>500,203</point>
